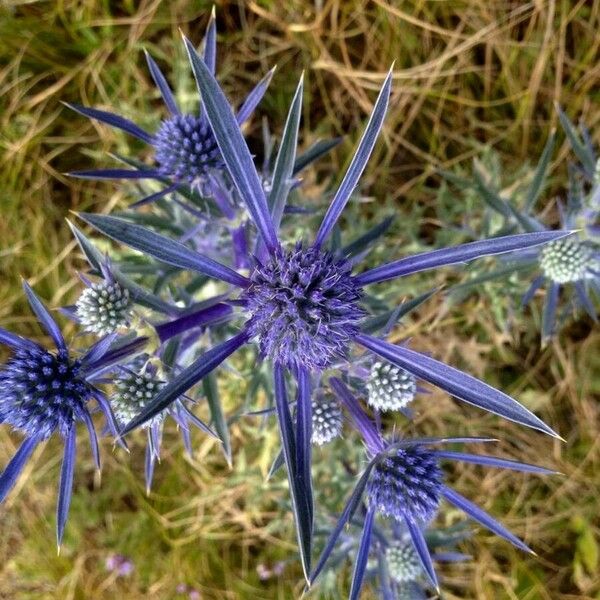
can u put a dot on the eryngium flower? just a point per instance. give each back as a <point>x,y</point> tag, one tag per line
<point>404,564</point>
<point>389,387</point>
<point>186,149</point>
<point>43,392</point>
<point>293,300</point>
<point>326,420</point>
<point>404,480</point>
<point>135,389</point>
<point>186,154</point>
<point>134,392</point>
<point>567,260</point>
<point>406,484</point>
<point>303,307</point>
<point>104,307</point>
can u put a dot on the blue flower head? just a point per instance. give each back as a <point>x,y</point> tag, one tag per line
<point>404,481</point>
<point>186,154</point>
<point>301,304</point>
<point>135,388</point>
<point>45,392</point>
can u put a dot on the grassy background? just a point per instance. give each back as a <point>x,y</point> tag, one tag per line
<point>467,74</point>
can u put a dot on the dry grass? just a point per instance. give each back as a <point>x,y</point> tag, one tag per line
<point>467,74</point>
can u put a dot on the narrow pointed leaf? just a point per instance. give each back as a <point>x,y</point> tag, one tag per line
<point>112,120</point>
<point>277,464</point>
<point>66,484</point>
<point>111,420</point>
<point>99,349</point>
<point>359,161</point>
<point>303,438</point>
<point>536,284</point>
<point>284,164</point>
<point>536,186</point>
<point>301,504</point>
<point>114,174</point>
<point>461,385</point>
<point>161,83</point>
<point>16,342</point>
<point>549,315</point>
<point>583,154</point>
<point>187,414</point>
<point>162,248</point>
<point>479,515</point>
<point>420,545</point>
<point>210,43</point>
<point>200,318</point>
<point>374,324</point>
<point>585,300</point>
<point>254,97</point>
<point>114,355</point>
<point>458,254</point>
<point>318,149</point>
<point>189,377</point>
<point>15,466</point>
<point>345,517</point>
<point>363,241</point>
<point>360,564</point>
<point>154,197</point>
<point>492,461</point>
<point>44,317</point>
<point>217,415</point>
<point>93,438</point>
<point>234,149</point>
<point>149,464</point>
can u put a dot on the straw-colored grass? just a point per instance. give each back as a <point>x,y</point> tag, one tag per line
<point>467,74</point>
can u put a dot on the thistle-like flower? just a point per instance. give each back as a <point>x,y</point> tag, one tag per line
<point>135,389</point>
<point>390,387</point>
<point>44,392</point>
<point>404,481</point>
<point>326,419</point>
<point>403,562</point>
<point>301,305</point>
<point>103,307</point>
<point>186,154</point>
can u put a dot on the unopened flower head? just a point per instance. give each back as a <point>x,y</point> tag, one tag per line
<point>135,391</point>
<point>186,149</point>
<point>389,387</point>
<point>304,307</point>
<point>406,483</point>
<point>403,563</point>
<point>104,307</point>
<point>566,260</point>
<point>326,420</point>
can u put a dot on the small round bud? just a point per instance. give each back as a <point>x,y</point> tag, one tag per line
<point>104,307</point>
<point>566,260</point>
<point>389,387</point>
<point>134,392</point>
<point>326,420</point>
<point>403,562</point>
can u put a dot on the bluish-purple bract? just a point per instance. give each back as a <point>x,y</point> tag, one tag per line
<point>304,307</point>
<point>407,484</point>
<point>41,392</point>
<point>186,149</point>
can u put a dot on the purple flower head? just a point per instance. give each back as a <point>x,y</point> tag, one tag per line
<point>186,154</point>
<point>404,481</point>
<point>406,484</point>
<point>303,307</point>
<point>119,564</point>
<point>44,392</point>
<point>186,149</point>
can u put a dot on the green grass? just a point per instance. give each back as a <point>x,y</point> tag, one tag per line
<point>467,74</point>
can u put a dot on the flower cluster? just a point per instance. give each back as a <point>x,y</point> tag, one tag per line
<point>221,273</point>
